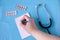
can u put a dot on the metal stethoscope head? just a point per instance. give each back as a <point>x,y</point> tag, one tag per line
<point>46,27</point>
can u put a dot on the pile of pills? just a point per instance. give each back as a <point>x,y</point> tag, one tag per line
<point>11,13</point>
<point>21,7</point>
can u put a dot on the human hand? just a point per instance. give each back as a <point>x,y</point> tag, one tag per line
<point>28,26</point>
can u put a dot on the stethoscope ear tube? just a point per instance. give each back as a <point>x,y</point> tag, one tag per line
<point>45,27</point>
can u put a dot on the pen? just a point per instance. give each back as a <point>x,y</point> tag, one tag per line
<point>25,21</point>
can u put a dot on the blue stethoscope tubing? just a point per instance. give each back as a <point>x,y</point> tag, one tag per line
<point>45,27</point>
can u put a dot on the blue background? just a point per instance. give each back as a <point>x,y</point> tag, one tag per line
<point>8,28</point>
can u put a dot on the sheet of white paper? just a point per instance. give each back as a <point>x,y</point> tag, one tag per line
<point>23,32</point>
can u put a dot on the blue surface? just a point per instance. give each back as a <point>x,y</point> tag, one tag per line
<point>8,28</point>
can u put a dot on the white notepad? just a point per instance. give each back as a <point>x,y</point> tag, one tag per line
<point>23,33</point>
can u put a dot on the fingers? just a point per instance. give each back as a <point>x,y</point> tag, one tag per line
<point>27,18</point>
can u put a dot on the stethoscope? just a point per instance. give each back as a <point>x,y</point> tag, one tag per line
<point>45,27</point>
